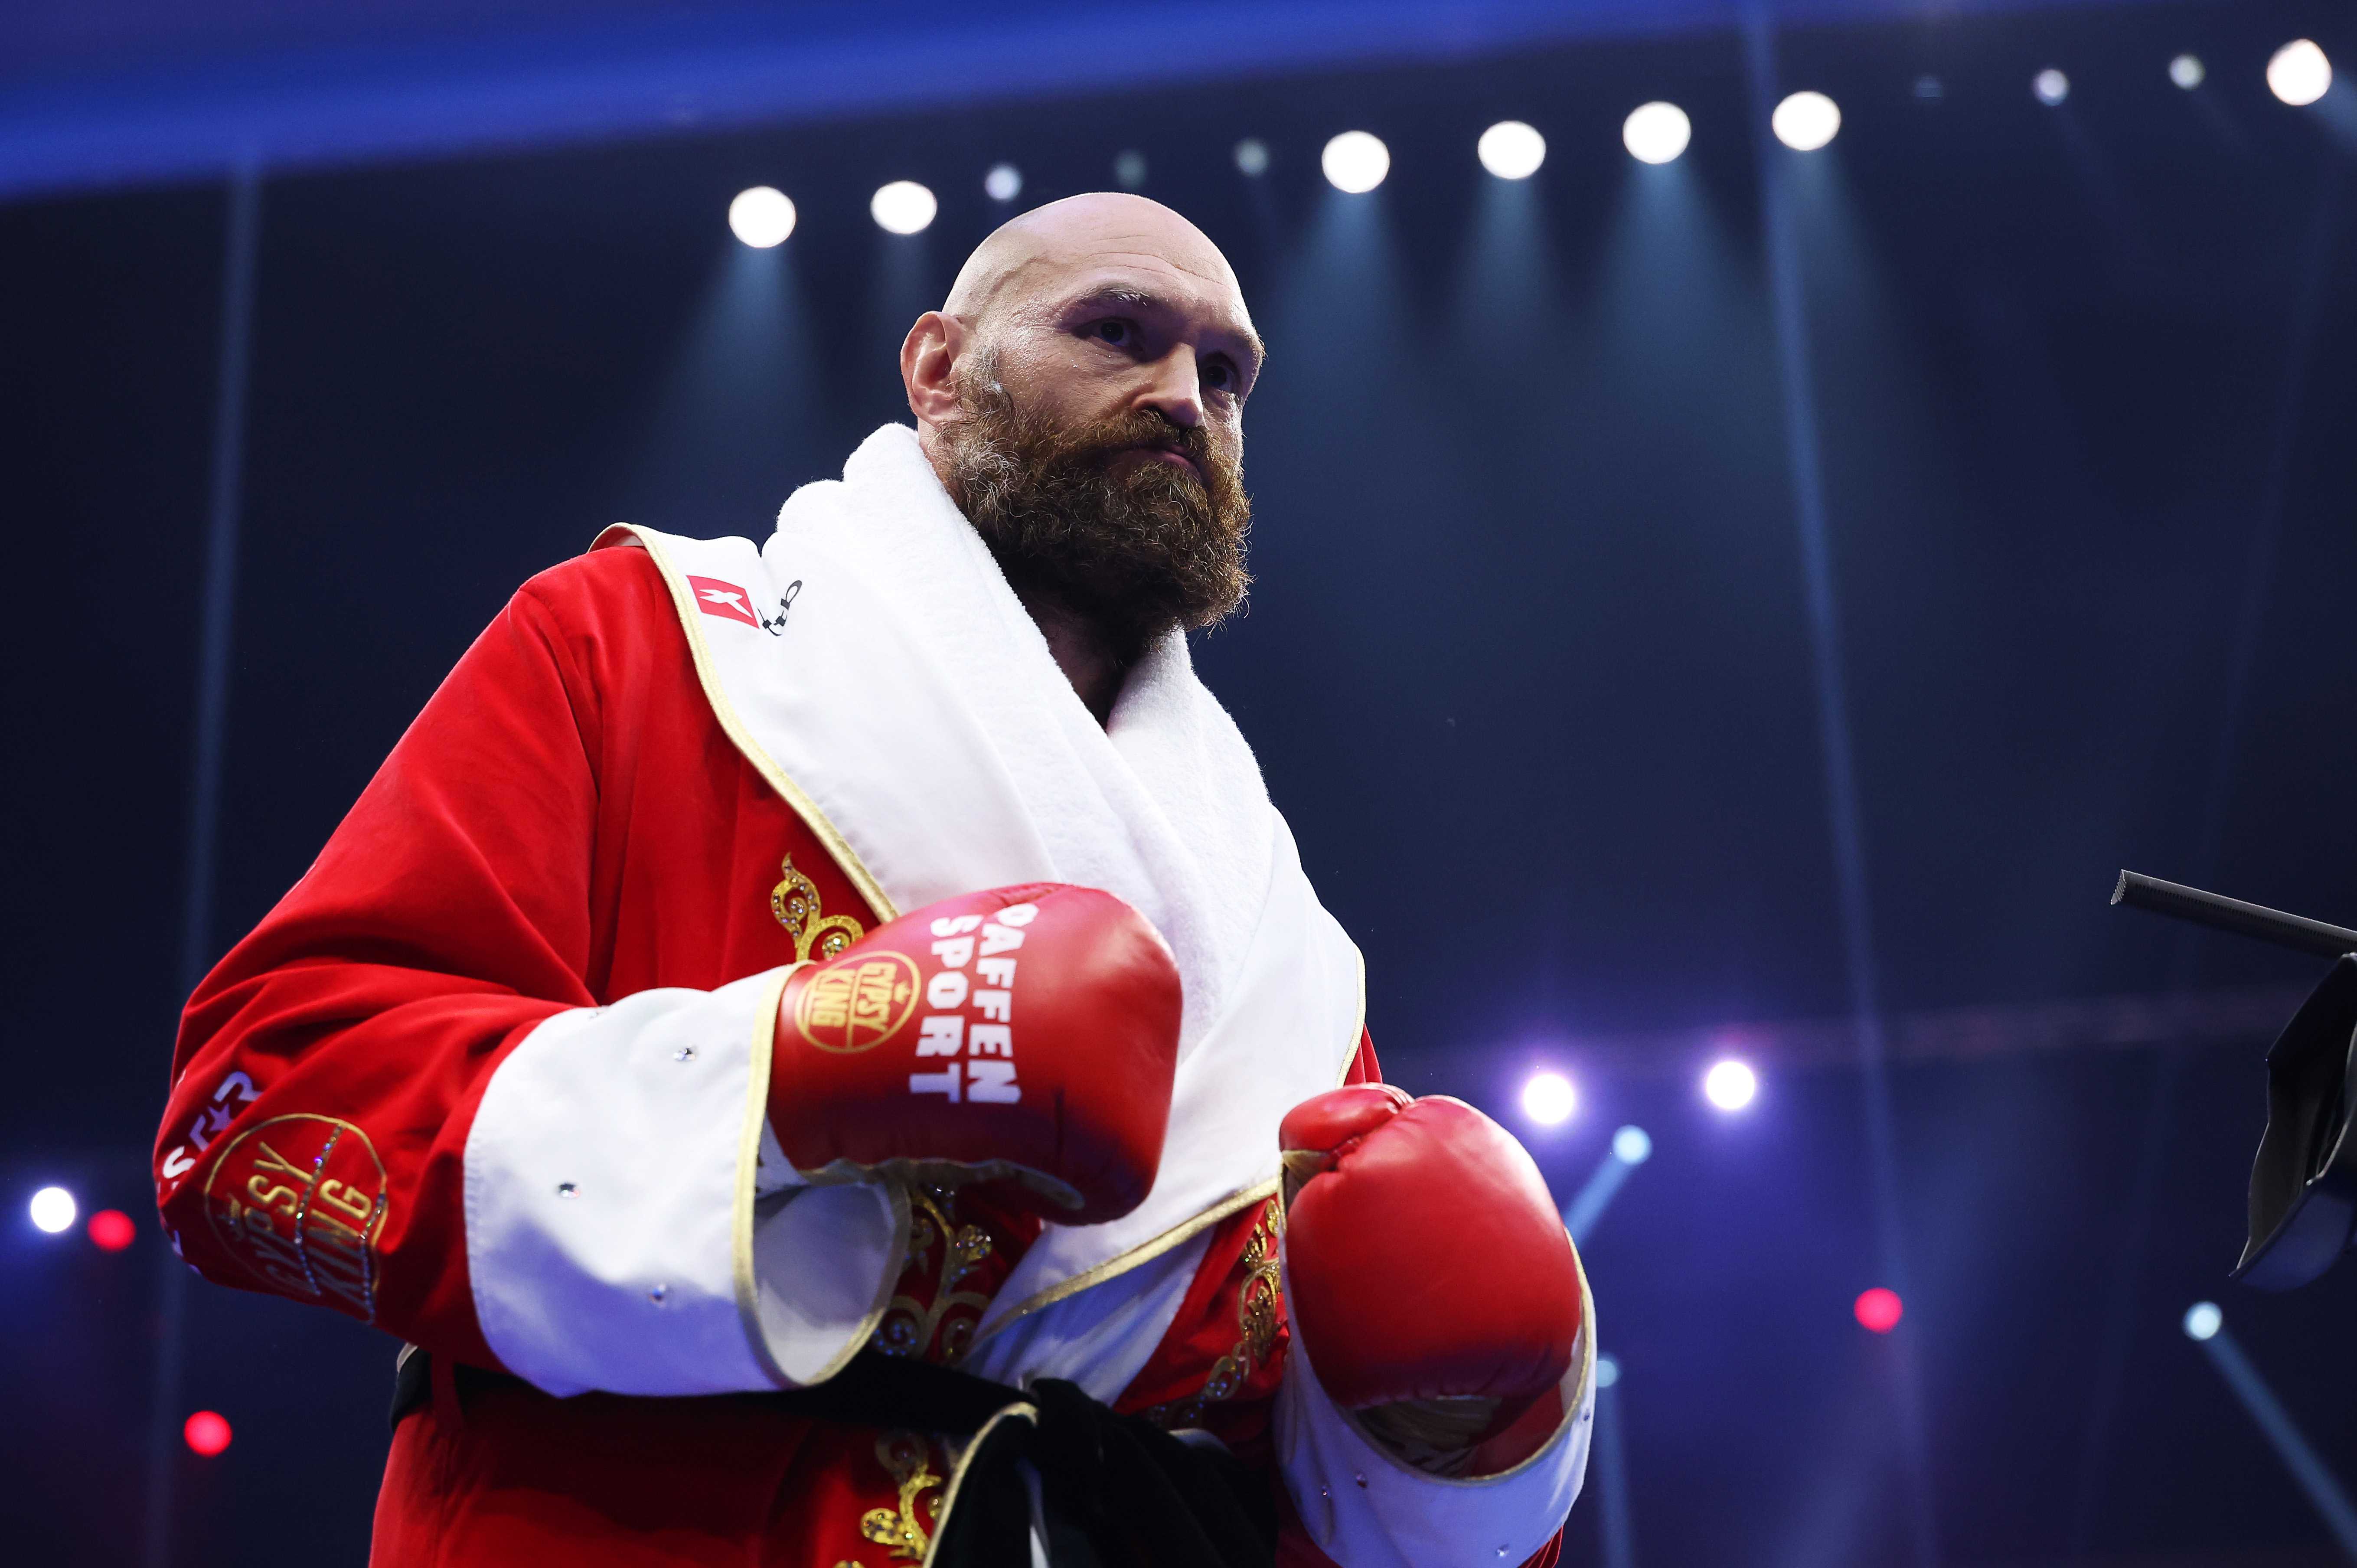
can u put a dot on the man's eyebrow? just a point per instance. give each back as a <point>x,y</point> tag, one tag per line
<point>1125,297</point>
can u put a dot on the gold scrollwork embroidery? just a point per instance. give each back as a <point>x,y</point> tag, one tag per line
<point>908,1326</point>
<point>908,1459</point>
<point>1256,1301</point>
<point>795,902</point>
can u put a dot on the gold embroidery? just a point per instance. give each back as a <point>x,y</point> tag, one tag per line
<point>908,1326</point>
<point>795,902</point>
<point>908,1460</point>
<point>1256,1302</point>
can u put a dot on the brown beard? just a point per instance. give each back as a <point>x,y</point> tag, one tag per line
<point>1133,556</point>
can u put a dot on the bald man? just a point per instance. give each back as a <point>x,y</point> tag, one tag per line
<point>826,1053</point>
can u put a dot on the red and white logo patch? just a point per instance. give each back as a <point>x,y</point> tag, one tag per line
<point>726,600</point>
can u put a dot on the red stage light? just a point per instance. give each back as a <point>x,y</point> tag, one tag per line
<point>1880,1309</point>
<point>206,1432</point>
<point>111,1229</point>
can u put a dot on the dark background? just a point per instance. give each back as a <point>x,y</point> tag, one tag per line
<point>1527,666</point>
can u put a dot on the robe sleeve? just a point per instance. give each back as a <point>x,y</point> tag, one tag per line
<point>400,1098</point>
<point>1350,1502</point>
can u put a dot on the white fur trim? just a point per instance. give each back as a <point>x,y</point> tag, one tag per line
<point>1366,1509</point>
<point>607,1175</point>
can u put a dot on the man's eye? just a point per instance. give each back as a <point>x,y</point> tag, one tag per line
<point>1220,378</point>
<point>1113,331</point>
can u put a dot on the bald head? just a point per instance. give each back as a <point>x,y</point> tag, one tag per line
<point>1103,228</point>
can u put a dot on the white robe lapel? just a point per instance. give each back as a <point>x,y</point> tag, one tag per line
<point>902,699</point>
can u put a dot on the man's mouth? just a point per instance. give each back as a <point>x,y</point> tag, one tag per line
<point>1170,455</point>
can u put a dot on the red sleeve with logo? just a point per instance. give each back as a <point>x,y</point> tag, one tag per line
<point>328,1069</point>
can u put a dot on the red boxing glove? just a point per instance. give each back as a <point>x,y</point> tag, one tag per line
<point>1026,1035</point>
<point>1429,1275</point>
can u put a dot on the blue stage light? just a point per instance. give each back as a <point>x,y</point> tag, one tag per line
<point>1608,1371</point>
<point>1632,1145</point>
<point>2299,73</point>
<point>1355,162</point>
<point>1656,133</point>
<point>1003,182</point>
<point>1511,150</point>
<point>2187,71</point>
<point>761,217</point>
<point>2203,1320</point>
<point>1806,121</point>
<point>53,1210</point>
<point>1730,1085</point>
<point>1252,157</point>
<point>1549,1099</point>
<point>903,207</point>
<point>2052,86</point>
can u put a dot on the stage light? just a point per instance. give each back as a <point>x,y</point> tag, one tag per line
<point>2203,1319</point>
<point>1656,133</point>
<point>1511,150</point>
<point>1929,87</point>
<point>761,217</point>
<point>1549,1099</point>
<point>2187,71</point>
<point>1632,1145</point>
<point>2050,85</point>
<point>1252,157</point>
<point>2299,73</point>
<point>1608,1371</point>
<point>1129,169</point>
<point>1355,162</point>
<point>903,207</point>
<point>110,1230</point>
<point>1806,121</point>
<point>52,1210</point>
<point>1730,1085</point>
<point>1878,1310</point>
<point>206,1432</point>
<point>1003,182</point>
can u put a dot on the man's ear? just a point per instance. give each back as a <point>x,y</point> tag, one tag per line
<point>929,357</point>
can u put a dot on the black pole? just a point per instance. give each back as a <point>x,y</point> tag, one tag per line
<point>240,238</point>
<point>2174,898</point>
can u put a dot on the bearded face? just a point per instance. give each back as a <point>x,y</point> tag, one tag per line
<point>1136,548</point>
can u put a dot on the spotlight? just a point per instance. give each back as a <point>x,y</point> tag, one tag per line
<point>1003,182</point>
<point>761,217</point>
<point>1252,157</point>
<point>1929,87</point>
<point>1632,1146</point>
<point>903,207</point>
<point>2203,1319</point>
<point>1549,1099</point>
<point>110,1230</point>
<point>2299,73</point>
<point>206,1432</point>
<point>2187,71</point>
<point>1806,121</point>
<point>1608,1371</point>
<point>1878,1310</point>
<point>52,1210</point>
<point>1355,162</point>
<point>1730,1085</point>
<point>1129,169</point>
<point>1656,133</point>
<point>2050,85</point>
<point>1511,150</point>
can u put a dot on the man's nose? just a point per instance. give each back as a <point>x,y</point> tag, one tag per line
<point>1176,392</point>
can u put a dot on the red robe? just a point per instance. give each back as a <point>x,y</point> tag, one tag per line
<point>566,824</point>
